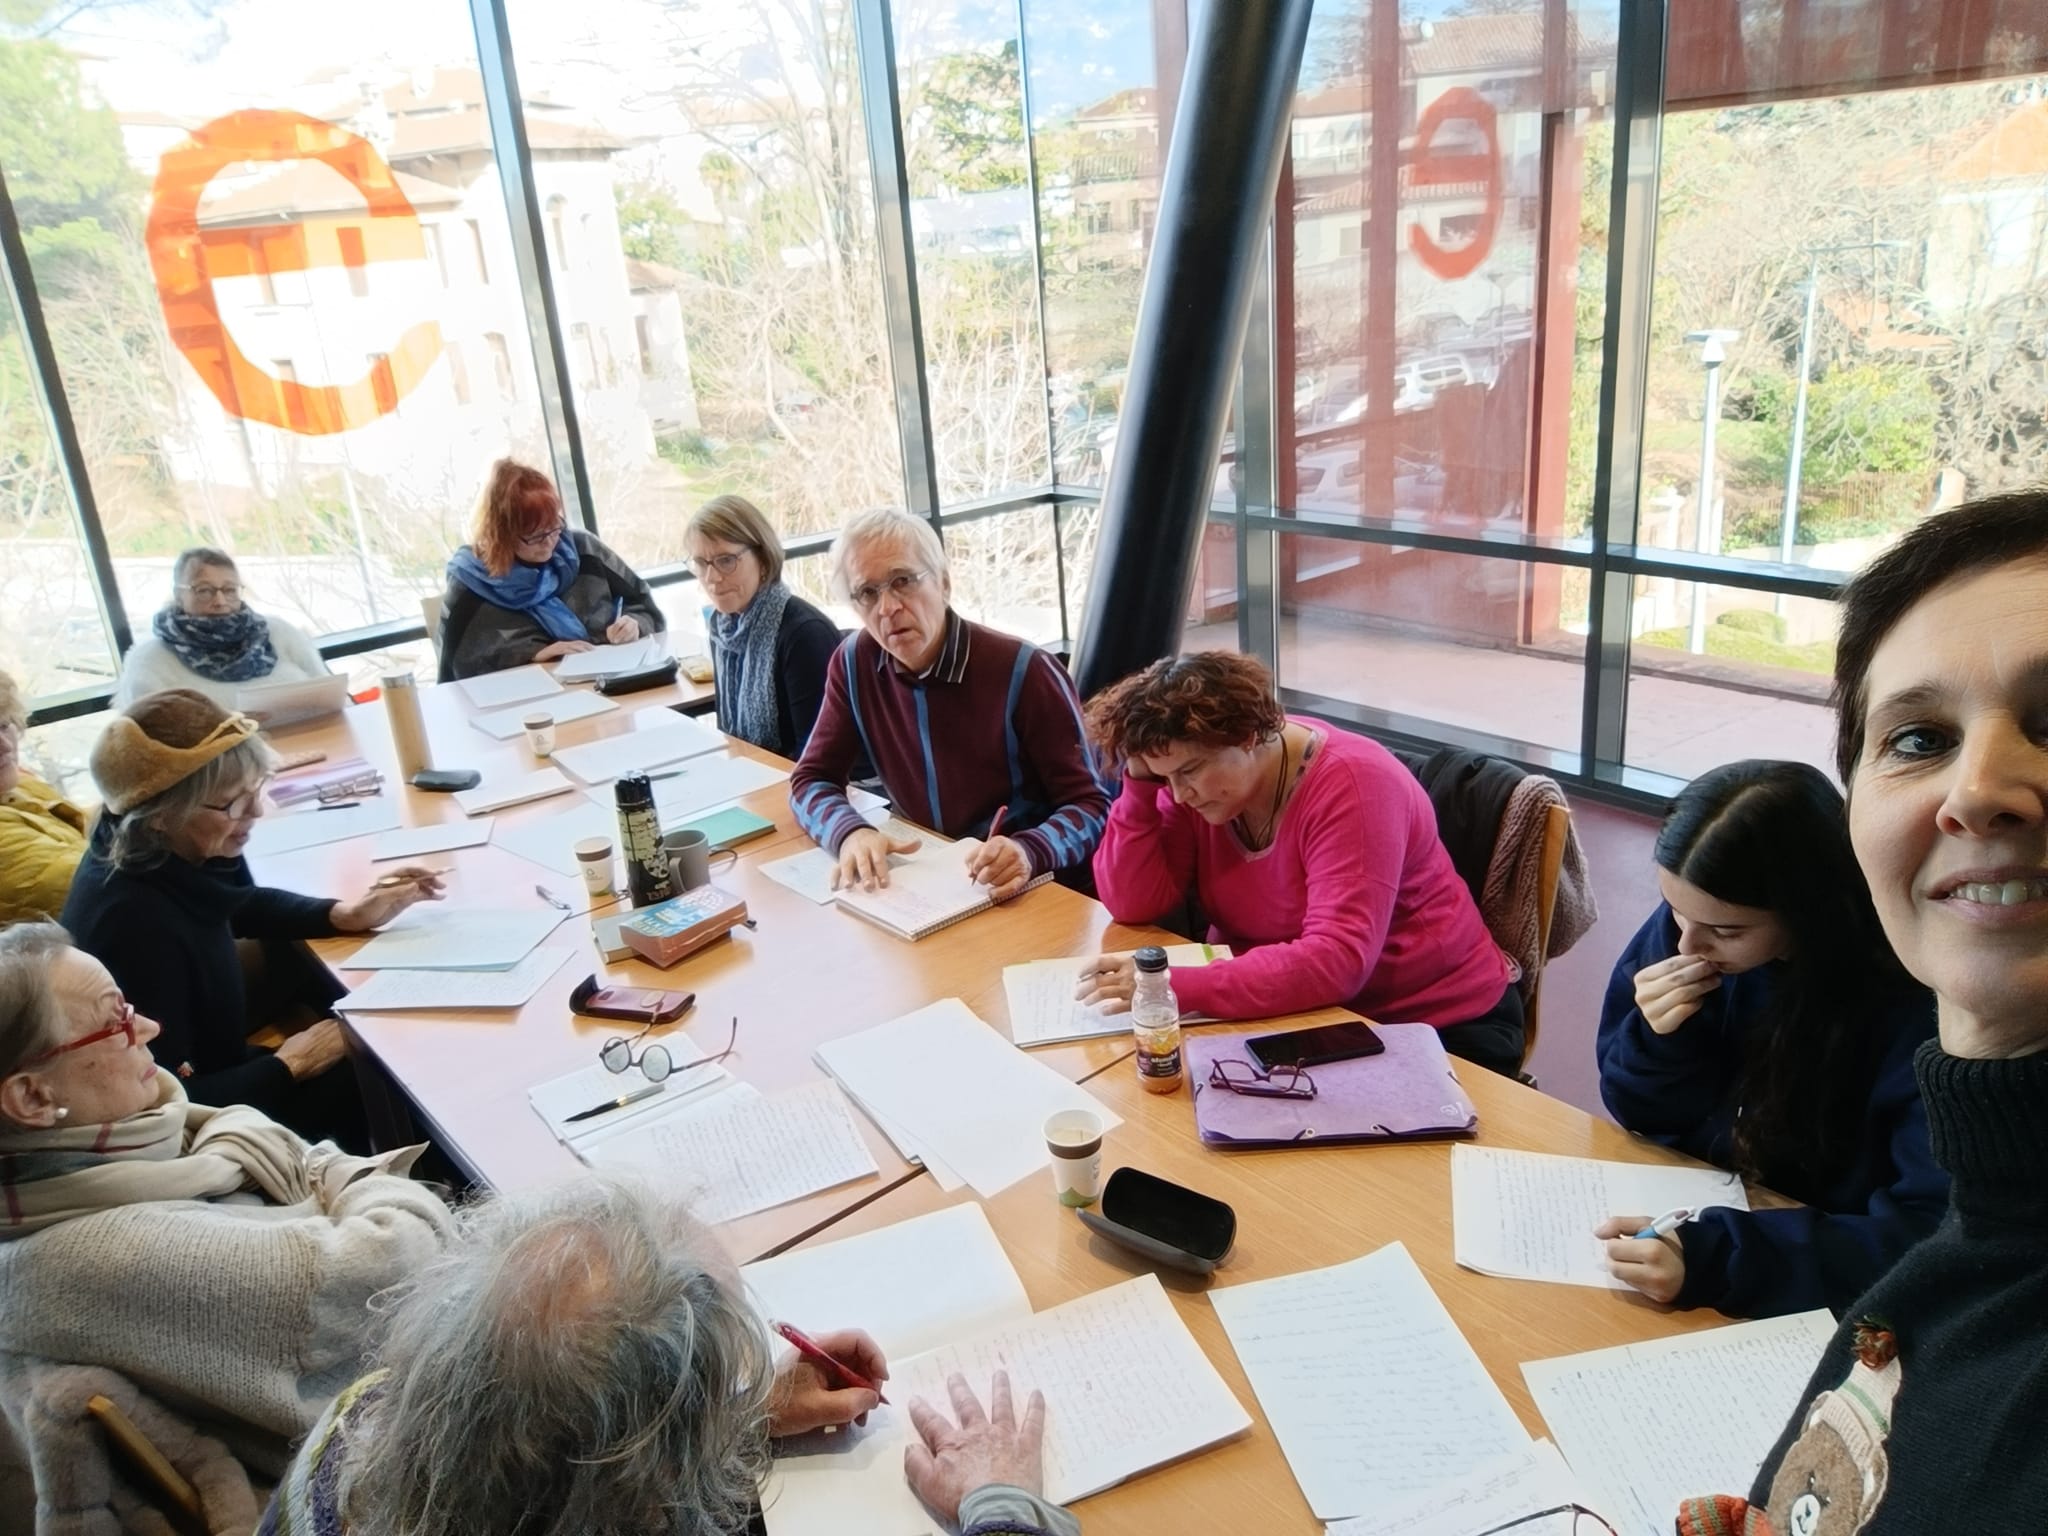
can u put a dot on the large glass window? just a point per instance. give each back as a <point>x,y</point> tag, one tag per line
<point>718,218</point>
<point>228,209</point>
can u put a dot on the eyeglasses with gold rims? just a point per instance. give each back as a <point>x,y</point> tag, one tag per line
<point>899,586</point>
<point>1280,1083</point>
<point>1584,1523</point>
<point>654,1061</point>
<point>123,1025</point>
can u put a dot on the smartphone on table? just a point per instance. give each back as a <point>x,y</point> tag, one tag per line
<point>1313,1047</point>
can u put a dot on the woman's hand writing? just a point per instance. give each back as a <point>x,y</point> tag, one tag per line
<point>623,630</point>
<point>381,902</point>
<point>1653,1265</point>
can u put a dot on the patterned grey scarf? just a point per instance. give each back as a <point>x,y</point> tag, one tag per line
<point>748,637</point>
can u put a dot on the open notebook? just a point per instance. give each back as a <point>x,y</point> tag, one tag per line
<point>927,890</point>
<point>1126,1385</point>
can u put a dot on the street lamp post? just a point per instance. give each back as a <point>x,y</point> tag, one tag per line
<point>1706,532</point>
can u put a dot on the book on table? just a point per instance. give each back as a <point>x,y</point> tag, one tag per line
<point>928,891</point>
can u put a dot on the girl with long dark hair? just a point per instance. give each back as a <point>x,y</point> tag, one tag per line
<point>1759,1020</point>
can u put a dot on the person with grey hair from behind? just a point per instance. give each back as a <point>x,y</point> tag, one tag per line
<point>583,1361</point>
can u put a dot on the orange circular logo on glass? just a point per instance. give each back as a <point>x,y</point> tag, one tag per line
<point>188,259</point>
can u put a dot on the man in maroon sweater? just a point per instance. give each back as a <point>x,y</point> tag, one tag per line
<point>963,723</point>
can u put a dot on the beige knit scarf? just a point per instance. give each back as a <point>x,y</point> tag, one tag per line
<point>174,1150</point>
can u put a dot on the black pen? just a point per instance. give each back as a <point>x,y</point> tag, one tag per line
<point>611,1104</point>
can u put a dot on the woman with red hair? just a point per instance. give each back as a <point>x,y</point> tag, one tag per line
<point>1312,852</point>
<point>528,587</point>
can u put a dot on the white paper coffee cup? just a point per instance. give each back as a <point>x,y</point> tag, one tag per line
<point>594,860</point>
<point>1074,1137</point>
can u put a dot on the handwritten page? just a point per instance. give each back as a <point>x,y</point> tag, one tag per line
<point>501,792</point>
<point>963,1283</point>
<point>505,724</point>
<point>613,660</point>
<point>404,991</point>
<point>1371,1390</point>
<point>1044,1010</point>
<point>434,938</point>
<point>741,1152</point>
<point>952,1084</point>
<point>611,757</point>
<point>1531,1215</point>
<point>1646,1425</point>
<point>1495,1497</point>
<point>1126,1388</point>
<point>515,685</point>
<point>413,842</point>
<point>313,826</point>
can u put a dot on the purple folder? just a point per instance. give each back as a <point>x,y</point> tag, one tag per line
<point>1406,1093</point>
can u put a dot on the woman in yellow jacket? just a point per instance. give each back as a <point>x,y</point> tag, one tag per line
<point>42,835</point>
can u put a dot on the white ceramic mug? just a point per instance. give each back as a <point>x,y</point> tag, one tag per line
<point>1074,1137</point>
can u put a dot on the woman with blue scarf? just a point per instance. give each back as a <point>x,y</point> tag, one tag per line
<point>768,646</point>
<point>528,587</point>
<point>207,640</point>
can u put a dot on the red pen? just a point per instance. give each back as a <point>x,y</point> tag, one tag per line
<point>838,1375</point>
<point>995,824</point>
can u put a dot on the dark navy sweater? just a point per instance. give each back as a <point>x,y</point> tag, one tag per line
<point>992,723</point>
<point>1680,1089</point>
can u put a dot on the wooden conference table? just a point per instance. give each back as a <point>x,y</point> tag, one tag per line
<point>808,974</point>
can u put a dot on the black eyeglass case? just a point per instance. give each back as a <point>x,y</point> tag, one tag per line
<point>637,682</point>
<point>1166,1222</point>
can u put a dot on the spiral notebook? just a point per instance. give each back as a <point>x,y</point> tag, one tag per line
<point>927,890</point>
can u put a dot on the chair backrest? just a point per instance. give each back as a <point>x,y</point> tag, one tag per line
<point>164,1484</point>
<point>430,610</point>
<point>1556,835</point>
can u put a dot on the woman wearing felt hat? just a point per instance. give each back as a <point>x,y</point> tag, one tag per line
<point>164,893</point>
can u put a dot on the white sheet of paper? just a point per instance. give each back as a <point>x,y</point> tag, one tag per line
<point>436,938</point>
<point>957,1087</point>
<point>809,874</point>
<point>1531,1215</point>
<point>289,831</point>
<point>926,889</point>
<point>1126,1387</point>
<point>912,1286</point>
<point>500,793</point>
<point>551,840</point>
<point>608,660</point>
<point>697,784</point>
<point>1371,1390</point>
<point>1043,1008</point>
<point>281,704</point>
<point>742,1151</point>
<point>601,761</point>
<point>412,842</point>
<point>1646,1425</point>
<point>686,1086</point>
<point>1511,1489</point>
<point>495,690</point>
<point>404,991</point>
<point>580,704</point>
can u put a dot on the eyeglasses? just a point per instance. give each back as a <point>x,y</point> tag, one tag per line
<point>1280,1083</point>
<point>124,1025</point>
<point>349,789</point>
<point>898,586</point>
<point>1584,1521</point>
<point>545,536</point>
<point>654,1061</point>
<point>206,592</point>
<point>243,806</point>
<point>725,565</point>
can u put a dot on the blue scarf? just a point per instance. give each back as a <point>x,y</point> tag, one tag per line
<point>534,590</point>
<point>748,710</point>
<point>220,647</point>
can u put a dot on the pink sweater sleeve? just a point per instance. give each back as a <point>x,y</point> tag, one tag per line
<point>1351,860</point>
<point>1145,863</point>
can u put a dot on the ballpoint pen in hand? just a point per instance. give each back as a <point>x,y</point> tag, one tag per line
<point>839,1376</point>
<point>1668,1223</point>
<point>611,1104</point>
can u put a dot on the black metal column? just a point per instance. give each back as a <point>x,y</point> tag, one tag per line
<point>1222,170</point>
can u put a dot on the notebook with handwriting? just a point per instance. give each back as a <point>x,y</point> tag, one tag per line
<point>928,890</point>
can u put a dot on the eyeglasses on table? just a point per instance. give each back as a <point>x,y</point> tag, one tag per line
<point>1280,1083</point>
<point>1584,1523</point>
<point>654,1061</point>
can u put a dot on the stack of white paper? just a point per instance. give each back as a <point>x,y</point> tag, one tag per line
<point>1043,1008</point>
<point>688,1084</point>
<point>495,690</point>
<point>1371,1390</point>
<point>290,831</point>
<point>699,783</point>
<point>500,792</point>
<point>1648,1425</point>
<point>436,938</point>
<point>739,1152</point>
<point>614,660</point>
<point>413,842</point>
<point>276,704</point>
<point>504,724</point>
<point>609,757</point>
<point>944,1086</point>
<point>405,991</point>
<point>1496,1497</point>
<point>1531,1215</point>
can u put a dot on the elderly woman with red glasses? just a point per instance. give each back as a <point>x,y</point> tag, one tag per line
<point>164,893</point>
<point>527,587</point>
<point>209,1259</point>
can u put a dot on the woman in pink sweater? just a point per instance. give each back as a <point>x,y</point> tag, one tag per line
<point>1313,853</point>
